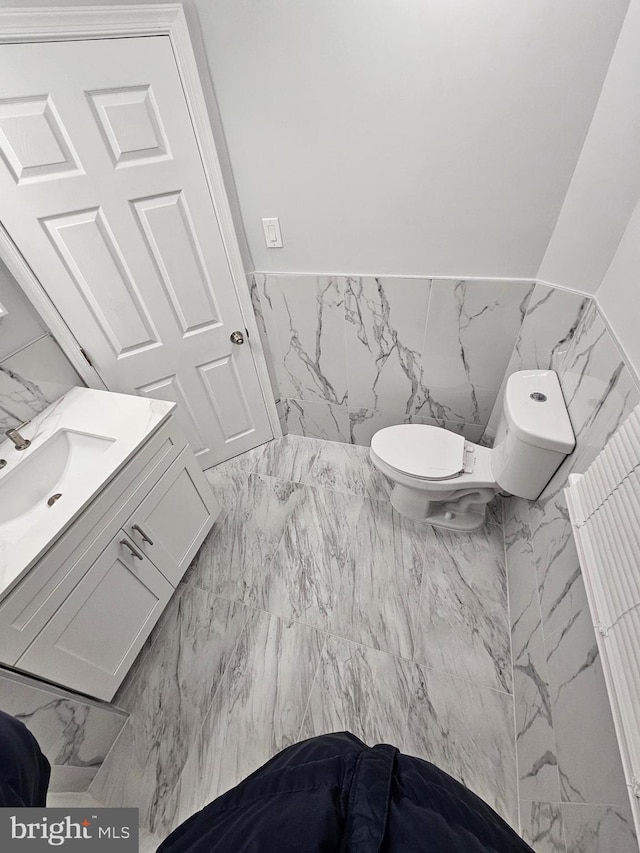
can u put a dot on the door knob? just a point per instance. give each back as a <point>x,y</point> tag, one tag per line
<point>236,338</point>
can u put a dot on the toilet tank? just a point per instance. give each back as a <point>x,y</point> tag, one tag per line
<point>534,434</point>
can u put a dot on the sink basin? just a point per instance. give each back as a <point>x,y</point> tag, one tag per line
<point>46,471</point>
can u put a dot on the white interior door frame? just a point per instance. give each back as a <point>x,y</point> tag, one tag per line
<point>69,23</point>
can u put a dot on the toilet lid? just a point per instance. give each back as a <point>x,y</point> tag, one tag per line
<point>419,450</point>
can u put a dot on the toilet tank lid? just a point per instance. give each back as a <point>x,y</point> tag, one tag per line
<point>420,450</point>
<point>541,423</point>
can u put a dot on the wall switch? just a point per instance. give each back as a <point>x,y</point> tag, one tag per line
<point>272,234</point>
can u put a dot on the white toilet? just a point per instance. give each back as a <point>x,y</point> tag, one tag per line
<point>441,478</point>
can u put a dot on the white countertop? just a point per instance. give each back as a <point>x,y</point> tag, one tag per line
<point>126,421</point>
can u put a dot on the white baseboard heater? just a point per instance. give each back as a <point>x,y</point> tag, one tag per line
<point>604,508</point>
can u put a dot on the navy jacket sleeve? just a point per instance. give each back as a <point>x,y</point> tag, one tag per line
<point>333,793</point>
<point>24,771</point>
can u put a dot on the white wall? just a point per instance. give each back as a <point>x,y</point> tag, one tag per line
<point>412,137</point>
<point>606,183</point>
<point>432,137</point>
<point>619,293</point>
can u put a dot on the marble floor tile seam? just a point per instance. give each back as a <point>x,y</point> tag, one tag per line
<point>320,488</point>
<point>411,660</point>
<point>313,683</point>
<point>303,480</point>
<point>252,607</point>
<point>220,682</point>
<point>383,498</point>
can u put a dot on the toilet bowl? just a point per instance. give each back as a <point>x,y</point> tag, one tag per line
<point>441,478</point>
<point>438,476</point>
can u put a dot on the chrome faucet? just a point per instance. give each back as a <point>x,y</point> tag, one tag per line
<point>14,435</point>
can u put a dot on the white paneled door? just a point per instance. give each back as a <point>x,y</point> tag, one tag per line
<point>103,191</point>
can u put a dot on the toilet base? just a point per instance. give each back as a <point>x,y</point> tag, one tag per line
<point>467,512</point>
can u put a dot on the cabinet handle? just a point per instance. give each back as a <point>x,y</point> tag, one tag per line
<point>142,533</point>
<point>133,550</point>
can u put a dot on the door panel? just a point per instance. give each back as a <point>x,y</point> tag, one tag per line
<point>165,221</point>
<point>103,191</point>
<point>33,142</point>
<point>130,124</point>
<point>87,247</point>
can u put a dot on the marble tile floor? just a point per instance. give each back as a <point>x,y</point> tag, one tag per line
<point>314,607</point>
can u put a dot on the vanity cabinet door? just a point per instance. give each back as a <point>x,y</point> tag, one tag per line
<point>172,521</point>
<point>93,638</point>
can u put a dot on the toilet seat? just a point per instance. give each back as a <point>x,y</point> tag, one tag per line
<point>422,451</point>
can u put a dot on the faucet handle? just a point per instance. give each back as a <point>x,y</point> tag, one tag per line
<point>17,428</point>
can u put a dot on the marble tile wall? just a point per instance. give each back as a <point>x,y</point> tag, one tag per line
<point>73,732</point>
<point>33,369</point>
<point>548,327</point>
<point>571,784</point>
<point>351,355</point>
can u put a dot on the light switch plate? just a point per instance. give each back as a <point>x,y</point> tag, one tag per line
<point>272,233</point>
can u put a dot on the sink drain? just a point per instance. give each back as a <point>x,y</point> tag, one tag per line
<point>54,498</point>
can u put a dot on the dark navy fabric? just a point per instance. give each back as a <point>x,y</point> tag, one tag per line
<point>24,771</point>
<point>334,794</point>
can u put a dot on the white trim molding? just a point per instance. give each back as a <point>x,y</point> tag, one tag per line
<point>69,23</point>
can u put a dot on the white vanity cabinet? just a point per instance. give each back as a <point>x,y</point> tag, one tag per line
<point>80,616</point>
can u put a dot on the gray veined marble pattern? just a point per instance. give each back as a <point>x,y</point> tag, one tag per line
<point>257,711</point>
<point>288,458</point>
<point>460,726</point>
<point>588,756</point>
<point>598,829</point>
<point>471,330</point>
<point>221,686</point>
<point>549,325</point>
<point>255,283</point>
<point>380,587</point>
<point>557,565</point>
<point>304,318</point>
<point>347,468</point>
<point>535,739</point>
<point>74,735</point>
<point>302,580</point>
<point>364,423</point>
<point>234,556</point>
<point>462,625</point>
<point>599,392</point>
<point>598,389</point>
<point>361,690</point>
<point>524,598</point>
<point>31,379</point>
<point>168,695</point>
<point>316,419</point>
<point>385,328</point>
<point>541,827</point>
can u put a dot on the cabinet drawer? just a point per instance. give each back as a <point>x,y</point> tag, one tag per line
<point>26,608</point>
<point>94,637</point>
<point>173,520</point>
